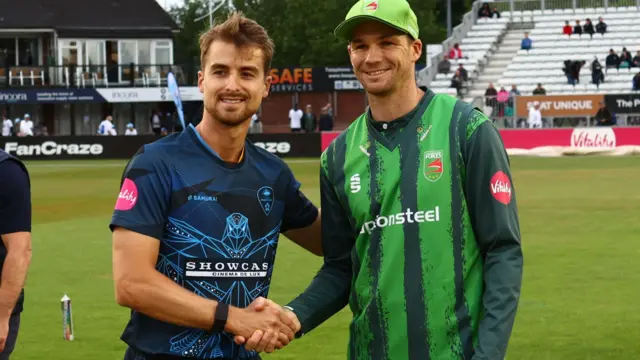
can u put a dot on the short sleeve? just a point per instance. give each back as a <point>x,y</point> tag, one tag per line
<point>143,203</point>
<point>15,198</point>
<point>299,211</point>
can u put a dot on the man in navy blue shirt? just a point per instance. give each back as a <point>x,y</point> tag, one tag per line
<point>15,248</point>
<point>197,220</point>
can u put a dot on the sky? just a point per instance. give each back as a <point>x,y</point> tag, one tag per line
<point>168,3</point>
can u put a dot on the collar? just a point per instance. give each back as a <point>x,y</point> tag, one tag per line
<point>398,123</point>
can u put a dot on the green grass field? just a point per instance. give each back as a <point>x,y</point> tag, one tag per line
<point>580,225</point>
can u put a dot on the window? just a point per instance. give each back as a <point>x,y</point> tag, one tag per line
<point>7,52</point>
<point>28,51</point>
<point>127,54</point>
<point>144,52</point>
<point>162,52</point>
<point>96,59</point>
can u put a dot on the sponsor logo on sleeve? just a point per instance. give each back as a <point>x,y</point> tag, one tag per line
<point>128,196</point>
<point>501,187</point>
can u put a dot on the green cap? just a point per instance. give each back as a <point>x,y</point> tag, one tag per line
<point>395,13</point>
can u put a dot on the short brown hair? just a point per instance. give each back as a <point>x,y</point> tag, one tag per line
<point>242,32</point>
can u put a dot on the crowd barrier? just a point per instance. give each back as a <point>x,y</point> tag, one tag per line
<point>561,142</point>
<point>535,142</point>
<point>124,147</point>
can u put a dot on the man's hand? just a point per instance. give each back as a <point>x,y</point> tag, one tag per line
<point>265,323</point>
<point>252,343</point>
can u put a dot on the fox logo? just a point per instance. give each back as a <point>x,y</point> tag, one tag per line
<point>433,167</point>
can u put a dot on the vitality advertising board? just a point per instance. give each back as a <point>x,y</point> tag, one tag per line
<point>559,141</point>
<point>560,105</point>
<point>124,147</point>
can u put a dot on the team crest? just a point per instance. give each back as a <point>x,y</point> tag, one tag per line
<point>265,198</point>
<point>433,165</point>
<point>370,6</point>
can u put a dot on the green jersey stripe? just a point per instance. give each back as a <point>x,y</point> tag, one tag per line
<point>460,111</point>
<point>377,347</point>
<point>414,288</point>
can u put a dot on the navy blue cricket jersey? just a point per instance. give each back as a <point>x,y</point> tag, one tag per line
<point>218,227</point>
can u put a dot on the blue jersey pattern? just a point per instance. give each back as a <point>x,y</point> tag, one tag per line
<point>218,227</point>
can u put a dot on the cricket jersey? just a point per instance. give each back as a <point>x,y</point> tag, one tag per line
<point>420,236</point>
<point>15,206</point>
<point>218,226</point>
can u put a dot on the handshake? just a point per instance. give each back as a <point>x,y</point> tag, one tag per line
<point>263,326</point>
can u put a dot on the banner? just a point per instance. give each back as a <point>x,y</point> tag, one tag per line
<point>111,95</point>
<point>124,147</point>
<point>623,103</point>
<point>558,142</point>
<point>577,141</point>
<point>560,105</point>
<point>324,79</point>
<point>48,96</point>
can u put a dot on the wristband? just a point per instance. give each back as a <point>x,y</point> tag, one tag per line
<point>220,317</point>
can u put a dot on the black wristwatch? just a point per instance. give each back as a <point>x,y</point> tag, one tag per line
<point>220,318</point>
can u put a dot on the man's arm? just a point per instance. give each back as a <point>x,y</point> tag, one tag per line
<point>301,220</point>
<point>329,291</point>
<point>15,231</point>
<point>492,206</point>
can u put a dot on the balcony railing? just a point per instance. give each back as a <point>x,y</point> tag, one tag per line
<point>80,76</point>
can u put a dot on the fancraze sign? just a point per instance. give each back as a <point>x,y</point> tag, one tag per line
<point>124,147</point>
<point>560,105</point>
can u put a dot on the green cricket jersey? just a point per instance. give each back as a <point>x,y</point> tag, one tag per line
<point>420,236</point>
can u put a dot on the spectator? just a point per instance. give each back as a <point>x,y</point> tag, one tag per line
<point>490,100</point>
<point>503,98</point>
<point>512,95</point>
<point>155,122</point>
<point>16,127</point>
<point>625,58</point>
<point>601,27</point>
<point>40,130</point>
<point>612,60</point>
<point>326,121</point>
<point>577,29</point>
<point>309,121</point>
<point>7,125</point>
<point>295,118</point>
<point>456,52</point>
<point>604,116</point>
<point>496,13</point>
<point>464,74</point>
<point>131,130</point>
<point>164,132</point>
<point>485,11</point>
<point>568,72</point>
<point>456,83</point>
<point>526,43</point>
<point>444,66</point>
<point>256,124</point>
<point>576,66</point>
<point>635,62</point>
<point>588,28</point>
<point>539,90</point>
<point>535,116</point>
<point>106,127</point>
<point>567,29</point>
<point>597,75</point>
<point>26,126</point>
<point>636,82</point>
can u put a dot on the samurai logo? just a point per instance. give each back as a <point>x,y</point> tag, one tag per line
<point>433,165</point>
<point>265,197</point>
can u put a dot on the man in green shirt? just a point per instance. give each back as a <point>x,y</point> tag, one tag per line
<point>419,219</point>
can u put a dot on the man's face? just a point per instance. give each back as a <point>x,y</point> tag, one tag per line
<point>382,57</point>
<point>233,82</point>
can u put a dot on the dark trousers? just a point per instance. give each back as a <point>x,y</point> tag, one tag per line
<point>133,354</point>
<point>10,344</point>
